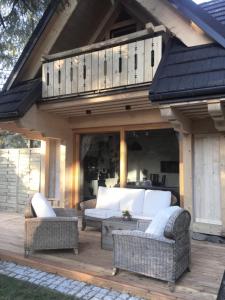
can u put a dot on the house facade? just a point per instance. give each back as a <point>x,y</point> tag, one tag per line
<point>126,93</point>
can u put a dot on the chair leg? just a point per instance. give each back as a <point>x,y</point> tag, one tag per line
<point>83,226</point>
<point>115,271</point>
<point>26,252</point>
<point>75,251</point>
<point>171,286</point>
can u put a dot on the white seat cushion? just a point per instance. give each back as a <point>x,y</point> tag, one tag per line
<point>158,224</point>
<point>132,200</point>
<point>155,201</point>
<point>42,207</point>
<point>102,213</point>
<point>108,198</point>
<point>141,217</point>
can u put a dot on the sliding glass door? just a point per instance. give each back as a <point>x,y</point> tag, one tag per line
<point>133,158</point>
<point>100,163</point>
<point>153,159</point>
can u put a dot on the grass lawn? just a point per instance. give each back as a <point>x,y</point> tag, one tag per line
<point>14,289</point>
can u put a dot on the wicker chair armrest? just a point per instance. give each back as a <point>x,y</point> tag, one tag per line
<point>178,224</point>
<point>88,204</point>
<point>52,220</point>
<point>28,213</point>
<point>142,225</point>
<point>65,212</point>
<point>140,234</point>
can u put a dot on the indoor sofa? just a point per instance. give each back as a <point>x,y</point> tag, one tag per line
<point>111,202</point>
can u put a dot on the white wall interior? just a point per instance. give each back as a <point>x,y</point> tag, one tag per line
<point>155,146</point>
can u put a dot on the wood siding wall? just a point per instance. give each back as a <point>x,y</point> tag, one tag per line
<point>209,179</point>
<point>20,171</point>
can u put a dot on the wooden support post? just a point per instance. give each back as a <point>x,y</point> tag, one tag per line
<point>123,158</point>
<point>45,190</point>
<point>222,181</point>
<point>181,170</point>
<point>187,172</point>
<point>62,160</point>
<point>43,167</point>
<point>76,189</point>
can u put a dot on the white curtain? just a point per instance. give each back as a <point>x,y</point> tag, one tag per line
<point>85,145</point>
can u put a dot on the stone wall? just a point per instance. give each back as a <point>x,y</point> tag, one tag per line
<point>20,177</point>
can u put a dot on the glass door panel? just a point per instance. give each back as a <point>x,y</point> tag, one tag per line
<point>153,159</point>
<point>99,156</point>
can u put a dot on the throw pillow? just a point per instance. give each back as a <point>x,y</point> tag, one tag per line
<point>42,207</point>
<point>158,224</point>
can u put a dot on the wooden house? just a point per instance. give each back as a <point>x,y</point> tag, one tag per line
<point>126,93</point>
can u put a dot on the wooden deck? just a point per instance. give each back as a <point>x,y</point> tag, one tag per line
<point>94,265</point>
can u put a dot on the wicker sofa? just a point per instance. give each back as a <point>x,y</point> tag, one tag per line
<point>60,232</point>
<point>110,202</point>
<point>163,257</point>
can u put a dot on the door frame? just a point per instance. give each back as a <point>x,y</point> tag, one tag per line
<point>123,154</point>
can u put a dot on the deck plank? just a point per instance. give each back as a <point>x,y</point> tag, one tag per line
<point>94,265</point>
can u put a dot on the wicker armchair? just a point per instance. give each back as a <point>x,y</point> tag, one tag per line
<point>164,258</point>
<point>60,232</point>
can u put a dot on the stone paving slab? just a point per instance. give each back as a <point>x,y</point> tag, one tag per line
<point>78,289</point>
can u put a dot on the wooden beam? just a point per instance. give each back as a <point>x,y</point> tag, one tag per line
<point>105,44</point>
<point>44,167</point>
<point>77,102</point>
<point>217,113</point>
<point>148,118</point>
<point>181,170</point>
<point>207,228</point>
<point>119,128</point>
<point>123,158</point>
<point>179,26</point>
<point>108,18</point>
<point>76,192</point>
<point>179,121</point>
<point>31,64</point>
<point>222,182</point>
<point>187,145</point>
<point>62,167</point>
<point>47,124</point>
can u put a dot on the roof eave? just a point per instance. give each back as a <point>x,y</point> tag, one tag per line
<point>31,44</point>
<point>188,95</point>
<point>204,20</point>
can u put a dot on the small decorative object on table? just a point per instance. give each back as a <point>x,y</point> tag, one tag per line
<point>126,215</point>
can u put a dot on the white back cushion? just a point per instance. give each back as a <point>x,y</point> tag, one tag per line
<point>101,213</point>
<point>42,207</point>
<point>108,198</point>
<point>132,200</point>
<point>120,199</point>
<point>155,201</point>
<point>158,224</point>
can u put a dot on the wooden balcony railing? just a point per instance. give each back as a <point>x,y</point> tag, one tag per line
<point>121,65</point>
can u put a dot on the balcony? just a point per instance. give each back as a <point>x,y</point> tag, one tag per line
<point>100,67</point>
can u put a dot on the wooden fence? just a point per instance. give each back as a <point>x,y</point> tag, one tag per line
<point>20,177</point>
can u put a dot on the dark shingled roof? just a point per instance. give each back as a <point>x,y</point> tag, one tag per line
<point>15,102</point>
<point>216,8</point>
<point>186,73</point>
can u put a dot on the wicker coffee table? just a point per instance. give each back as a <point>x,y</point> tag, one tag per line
<point>108,225</point>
